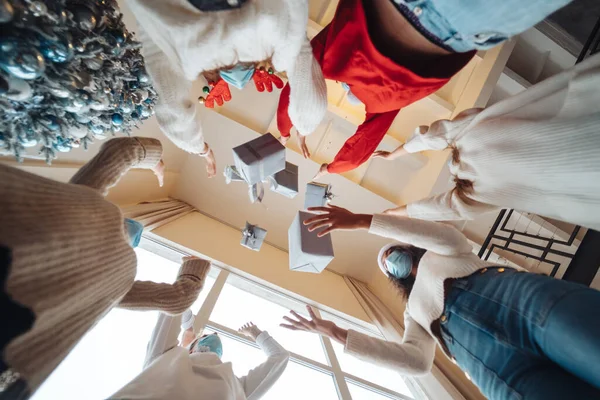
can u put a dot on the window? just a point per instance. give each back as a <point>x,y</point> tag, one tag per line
<point>112,353</point>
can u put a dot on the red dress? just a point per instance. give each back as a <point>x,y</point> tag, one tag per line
<point>346,54</point>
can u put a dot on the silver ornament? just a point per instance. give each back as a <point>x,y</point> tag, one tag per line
<point>78,132</point>
<point>38,8</point>
<point>100,104</point>
<point>84,17</point>
<point>75,144</point>
<point>95,63</point>
<point>18,89</point>
<point>61,93</point>
<point>25,142</point>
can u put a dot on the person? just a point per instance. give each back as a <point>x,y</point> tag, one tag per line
<point>535,152</point>
<point>194,369</point>
<point>389,54</point>
<point>256,40</point>
<point>517,335</point>
<point>66,260</point>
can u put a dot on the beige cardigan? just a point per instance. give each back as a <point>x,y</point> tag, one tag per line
<point>71,261</point>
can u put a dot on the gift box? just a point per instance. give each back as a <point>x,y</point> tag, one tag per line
<point>285,182</point>
<point>317,194</point>
<point>253,236</point>
<point>231,174</point>
<point>259,158</point>
<point>308,252</point>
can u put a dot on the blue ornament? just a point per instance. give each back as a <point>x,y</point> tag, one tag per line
<point>143,78</point>
<point>57,51</point>
<point>62,145</point>
<point>148,101</point>
<point>97,129</point>
<point>82,118</point>
<point>146,113</point>
<point>135,115</point>
<point>20,60</point>
<point>126,107</point>
<point>51,122</point>
<point>117,119</point>
<point>26,142</point>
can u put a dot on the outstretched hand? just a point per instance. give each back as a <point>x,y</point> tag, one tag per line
<point>322,172</point>
<point>314,325</point>
<point>386,155</point>
<point>250,330</point>
<point>336,218</point>
<point>159,171</point>
<point>303,147</point>
<point>211,164</point>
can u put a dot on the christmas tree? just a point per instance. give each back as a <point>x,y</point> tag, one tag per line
<point>70,72</point>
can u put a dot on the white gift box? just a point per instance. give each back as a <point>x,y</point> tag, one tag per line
<point>285,182</point>
<point>253,237</point>
<point>308,252</point>
<point>259,158</point>
<point>317,194</point>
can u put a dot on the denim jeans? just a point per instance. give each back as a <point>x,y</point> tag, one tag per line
<point>464,25</point>
<point>519,335</point>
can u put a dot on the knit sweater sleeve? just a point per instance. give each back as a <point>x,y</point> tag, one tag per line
<point>414,356</point>
<point>447,206</point>
<point>175,112</point>
<point>115,158</point>
<point>169,298</point>
<point>441,133</point>
<point>436,237</point>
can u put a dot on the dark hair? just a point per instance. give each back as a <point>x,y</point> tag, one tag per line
<point>405,285</point>
<point>462,187</point>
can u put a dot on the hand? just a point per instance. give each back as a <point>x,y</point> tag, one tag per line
<point>187,337</point>
<point>159,171</point>
<point>265,80</point>
<point>322,172</point>
<point>284,139</point>
<point>336,218</point>
<point>399,211</point>
<point>386,155</point>
<point>219,93</point>
<point>315,325</point>
<point>303,146</point>
<point>211,164</point>
<point>250,330</point>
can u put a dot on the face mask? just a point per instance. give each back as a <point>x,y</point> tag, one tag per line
<point>208,344</point>
<point>134,232</point>
<point>237,76</point>
<point>399,264</point>
<point>352,99</point>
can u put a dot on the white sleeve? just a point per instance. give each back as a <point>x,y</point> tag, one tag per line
<point>308,91</point>
<point>446,207</point>
<point>441,133</point>
<point>164,337</point>
<point>436,237</point>
<point>260,379</point>
<point>414,356</point>
<point>175,111</point>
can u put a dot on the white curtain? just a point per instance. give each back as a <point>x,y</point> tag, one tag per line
<point>153,214</point>
<point>392,330</point>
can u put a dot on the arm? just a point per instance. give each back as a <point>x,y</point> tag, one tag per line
<point>447,206</point>
<point>169,298</point>
<point>175,112</point>
<point>260,379</point>
<point>115,158</point>
<point>363,143</point>
<point>414,356</point>
<point>164,336</point>
<point>433,236</point>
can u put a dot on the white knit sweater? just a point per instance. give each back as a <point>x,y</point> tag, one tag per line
<point>449,255</point>
<point>180,42</point>
<point>535,152</point>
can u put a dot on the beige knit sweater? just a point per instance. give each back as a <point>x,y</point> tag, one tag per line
<point>71,261</point>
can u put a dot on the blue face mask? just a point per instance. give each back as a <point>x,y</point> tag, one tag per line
<point>134,232</point>
<point>211,343</point>
<point>399,264</point>
<point>237,76</point>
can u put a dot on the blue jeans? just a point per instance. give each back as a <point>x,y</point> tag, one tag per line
<point>464,25</point>
<point>519,335</point>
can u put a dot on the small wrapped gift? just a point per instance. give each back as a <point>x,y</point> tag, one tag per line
<point>231,174</point>
<point>317,195</point>
<point>308,252</point>
<point>253,236</point>
<point>285,182</point>
<point>259,158</point>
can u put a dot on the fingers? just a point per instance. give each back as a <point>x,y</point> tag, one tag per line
<point>305,151</point>
<point>317,218</point>
<point>327,231</point>
<point>300,317</point>
<point>320,224</point>
<point>311,313</point>
<point>188,258</point>
<point>290,327</point>
<point>320,209</point>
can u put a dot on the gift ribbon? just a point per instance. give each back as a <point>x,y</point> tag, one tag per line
<point>248,232</point>
<point>256,192</point>
<point>231,174</point>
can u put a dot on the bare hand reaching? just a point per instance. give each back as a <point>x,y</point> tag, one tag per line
<point>322,172</point>
<point>303,147</point>
<point>381,154</point>
<point>336,218</point>
<point>315,325</point>
<point>211,164</point>
<point>250,330</point>
<point>159,171</point>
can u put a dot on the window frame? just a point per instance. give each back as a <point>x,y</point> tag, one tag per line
<point>222,276</point>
